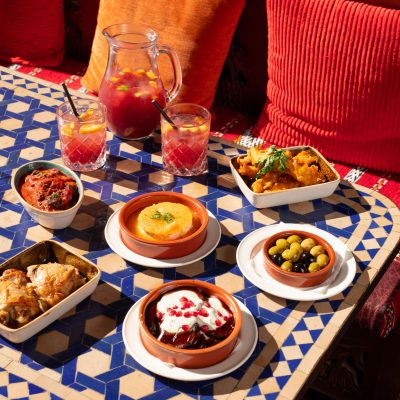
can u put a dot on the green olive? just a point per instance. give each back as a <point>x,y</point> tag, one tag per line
<point>308,244</point>
<point>287,266</point>
<point>274,250</point>
<point>294,238</point>
<point>322,260</point>
<point>282,244</point>
<point>317,250</point>
<point>288,254</point>
<point>296,246</point>
<point>314,267</point>
<point>291,254</point>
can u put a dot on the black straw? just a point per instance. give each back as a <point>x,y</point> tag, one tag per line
<point>70,99</point>
<point>164,114</point>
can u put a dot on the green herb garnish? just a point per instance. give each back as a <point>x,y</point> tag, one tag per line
<point>167,217</point>
<point>124,88</point>
<point>274,156</point>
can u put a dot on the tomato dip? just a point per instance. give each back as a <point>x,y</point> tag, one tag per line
<point>49,189</point>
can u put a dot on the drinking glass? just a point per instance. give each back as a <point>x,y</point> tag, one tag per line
<point>83,138</point>
<point>185,143</point>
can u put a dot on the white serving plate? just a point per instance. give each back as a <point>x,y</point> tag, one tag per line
<point>245,345</point>
<point>288,196</point>
<point>249,256</point>
<point>40,253</point>
<point>113,238</point>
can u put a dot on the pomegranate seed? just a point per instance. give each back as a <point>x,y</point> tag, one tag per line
<point>207,304</point>
<point>183,299</point>
<point>195,313</point>
<point>190,303</point>
<point>219,314</point>
<point>217,322</point>
<point>226,318</point>
<point>186,328</point>
<point>171,313</point>
<point>179,313</point>
<point>175,307</point>
<point>204,328</point>
<point>203,313</point>
<point>159,315</point>
<point>187,314</point>
<point>185,307</point>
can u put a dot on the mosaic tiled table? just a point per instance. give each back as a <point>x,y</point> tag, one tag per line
<point>82,355</point>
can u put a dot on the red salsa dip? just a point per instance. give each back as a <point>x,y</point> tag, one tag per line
<point>49,190</point>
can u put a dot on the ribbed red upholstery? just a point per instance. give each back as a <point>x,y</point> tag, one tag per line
<point>334,80</point>
<point>32,32</point>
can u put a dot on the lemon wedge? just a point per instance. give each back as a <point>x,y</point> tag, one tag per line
<point>68,130</point>
<point>88,129</point>
<point>87,114</point>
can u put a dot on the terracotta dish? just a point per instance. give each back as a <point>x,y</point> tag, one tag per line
<point>163,248</point>
<point>298,279</point>
<point>190,358</point>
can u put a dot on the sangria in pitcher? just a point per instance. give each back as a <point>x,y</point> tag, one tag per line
<point>132,80</point>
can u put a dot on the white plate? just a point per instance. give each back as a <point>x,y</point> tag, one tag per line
<point>250,262</point>
<point>113,238</point>
<point>244,348</point>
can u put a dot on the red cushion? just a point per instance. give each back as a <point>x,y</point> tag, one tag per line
<point>32,32</point>
<point>334,80</point>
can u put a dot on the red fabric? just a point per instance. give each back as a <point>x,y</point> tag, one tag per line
<point>381,311</point>
<point>334,80</point>
<point>32,32</point>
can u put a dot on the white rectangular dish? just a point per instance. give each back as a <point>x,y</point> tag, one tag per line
<point>287,196</point>
<point>45,252</point>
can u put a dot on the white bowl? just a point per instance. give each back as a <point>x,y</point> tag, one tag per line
<point>48,219</point>
<point>43,252</point>
<point>287,196</point>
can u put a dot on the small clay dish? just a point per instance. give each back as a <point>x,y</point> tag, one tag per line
<point>164,248</point>
<point>190,358</point>
<point>298,279</point>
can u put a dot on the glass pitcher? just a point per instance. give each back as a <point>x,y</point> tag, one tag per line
<point>132,80</point>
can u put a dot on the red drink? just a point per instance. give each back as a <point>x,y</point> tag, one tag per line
<point>83,139</point>
<point>184,147</point>
<point>127,95</point>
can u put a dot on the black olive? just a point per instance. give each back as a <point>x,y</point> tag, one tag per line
<point>277,259</point>
<point>305,257</point>
<point>300,267</point>
<point>312,259</point>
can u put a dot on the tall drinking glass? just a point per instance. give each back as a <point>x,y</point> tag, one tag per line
<point>83,138</point>
<point>185,143</point>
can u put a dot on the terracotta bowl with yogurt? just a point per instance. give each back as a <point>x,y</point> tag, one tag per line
<point>163,225</point>
<point>189,323</point>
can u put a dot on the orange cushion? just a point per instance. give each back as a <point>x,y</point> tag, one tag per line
<point>199,31</point>
<point>334,80</point>
<point>32,32</point>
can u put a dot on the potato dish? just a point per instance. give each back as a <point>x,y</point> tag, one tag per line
<point>272,169</point>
